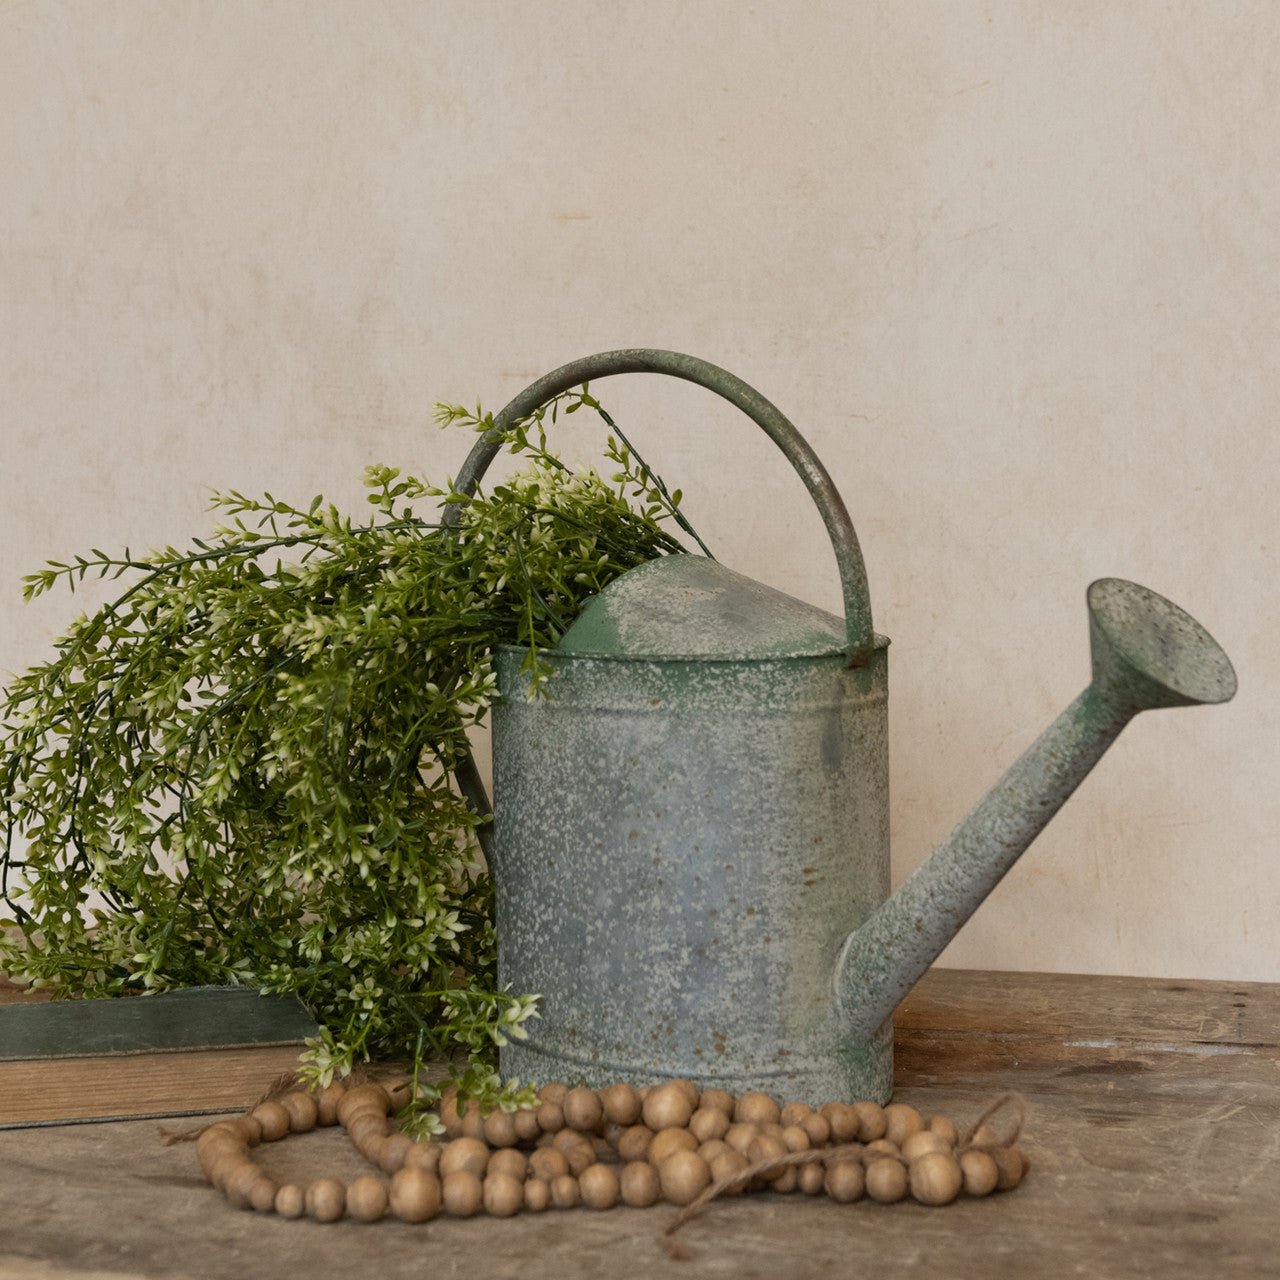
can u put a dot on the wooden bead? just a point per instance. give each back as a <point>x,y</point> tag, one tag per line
<point>935,1178</point>
<point>424,1155</point>
<point>922,1143</point>
<point>598,1185</point>
<point>582,1110</point>
<point>767,1148</point>
<point>367,1198</point>
<point>709,1150</point>
<point>945,1129</point>
<point>793,1113</point>
<point>509,1162</point>
<point>718,1098</point>
<point>262,1195</point>
<point>621,1104</point>
<point>729,1164</point>
<point>579,1151</point>
<point>689,1089</point>
<point>550,1117</point>
<point>548,1163</point>
<point>741,1136</point>
<point>291,1201</point>
<point>464,1155</point>
<point>795,1138</point>
<point>327,1100</point>
<point>707,1123</point>
<point>634,1143</point>
<point>274,1120</point>
<point>667,1107</point>
<point>415,1195</point>
<point>871,1121</point>
<point>564,1191</point>
<point>817,1128</point>
<point>684,1176</point>
<point>364,1096</point>
<point>473,1124</point>
<point>844,1181</point>
<point>668,1142</point>
<point>526,1125</point>
<point>1011,1165</point>
<point>811,1179</point>
<point>238,1181</point>
<point>980,1173</point>
<point>886,1180</point>
<point>303,1111</point>
<point>756,1108</point>
<point>842,1120</point>
<point>326,1200</point>
<point>639,1184</point>
<point>883,1147</point>
<point>901,1122</point>
<point>503,1195</point>
<point>500,1129</point>
<point>553,1092</point>
<point>392,1152</point>
<point>537,1195</point>
<point>450,1116</point>
<point>461,1192</point>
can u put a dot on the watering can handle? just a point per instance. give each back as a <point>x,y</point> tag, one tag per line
<point>853,574</point>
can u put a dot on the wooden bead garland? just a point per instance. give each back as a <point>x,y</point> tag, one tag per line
<point>599,1148</point>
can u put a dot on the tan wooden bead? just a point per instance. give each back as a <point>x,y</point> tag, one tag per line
<point>842,1120</point>
<point>871,1121</point>
<point>945,1129</point>
<point>564,1192</point>
<point>274,1120</point>
<point>795,1138</point>
<point>598,1184</point>
<point>464,1155</point>
<point>793,1113</point>
<point>461,1192</point>
<point>424,1155</point>
<point>621,1104</point>
<point>392,1152</point>
<point>548,1163</point>
<point>721,1099</point>
<point>367,1199</point>
<point>304,1112</point>
<point>980,1173</point>
<point>326,1200</point>
<point>510,1162</point>
<point>668,1142</point>
<point>667,1107</point>
<point>499,1129</point>
<point>707,1123</point>
<point>291,1200</point>
<point>415,1194</point>
<point>503,1195</point>
<point>922,1143</point>
<point>327,1100</point>
<point>935,1178</point>
<point>526,1125</point>
<point>817,1128</point>
<point>728,1164</point>
<point>639,1184</point>
<point>553,1092</point>
<point>901,1122</point>
<point>886,1180</point>
<point>537,1195</point>
<point>684,1177</point>
<point>754,1107</point>
<point>634,1143</point>
<point>582,1110</point>
<point>844,1181</point>
<point>811,1179</point>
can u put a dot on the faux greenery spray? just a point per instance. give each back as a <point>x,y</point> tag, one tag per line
<point>240,770</point>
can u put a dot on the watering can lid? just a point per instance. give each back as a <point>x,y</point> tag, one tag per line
<point>687,606</point>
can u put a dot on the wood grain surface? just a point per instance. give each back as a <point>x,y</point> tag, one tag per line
<point>1153,1126</point>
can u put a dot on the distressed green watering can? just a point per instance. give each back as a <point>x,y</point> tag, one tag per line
<point>690,836</point>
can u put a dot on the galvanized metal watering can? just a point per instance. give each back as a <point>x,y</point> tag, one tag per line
<point>691,835</point>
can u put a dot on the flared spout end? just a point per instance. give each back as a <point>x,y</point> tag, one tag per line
<point>1148,653</point>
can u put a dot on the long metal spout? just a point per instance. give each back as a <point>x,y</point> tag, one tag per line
<point>1146,653</point>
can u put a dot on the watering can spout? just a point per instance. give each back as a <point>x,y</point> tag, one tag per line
<point>1146,653</point>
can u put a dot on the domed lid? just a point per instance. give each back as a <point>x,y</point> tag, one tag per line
<point>686,606</point>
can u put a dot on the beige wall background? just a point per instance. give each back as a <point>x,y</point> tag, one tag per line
<point>1011,267</point>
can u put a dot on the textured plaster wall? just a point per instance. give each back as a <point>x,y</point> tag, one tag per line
<point>1011,267</point>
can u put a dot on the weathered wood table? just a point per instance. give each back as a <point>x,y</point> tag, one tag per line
<point>1153,1128</point>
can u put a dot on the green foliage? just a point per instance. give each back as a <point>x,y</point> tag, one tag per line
<point>240,770</point>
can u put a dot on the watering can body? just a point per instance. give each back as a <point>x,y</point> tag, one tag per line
<point>690,831</point>
<point>686,829</point>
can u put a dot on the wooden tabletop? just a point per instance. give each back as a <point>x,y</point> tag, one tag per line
<point>1153,1126</point>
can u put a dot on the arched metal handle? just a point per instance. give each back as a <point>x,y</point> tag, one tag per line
<point>853,574</point>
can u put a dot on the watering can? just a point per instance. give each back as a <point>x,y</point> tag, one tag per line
<point>690,837</point>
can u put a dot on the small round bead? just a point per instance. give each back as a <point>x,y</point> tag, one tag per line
<point>500,1129</point>
<point>729,1164</point>
<point>922,1143</point>
<point>509,1162</point>
<point>945,1129</point>
<point>668,1142</point>
<point>1011,1165</point>
<point>901,1121</point>
<point>550,1117</point>
<point>327,1103</point>
<point>634,1143</point>
<point>980,1173</point>
<point>935,1178</point>
<point>239,1183</point>
<point>756,1108</point>
<point>303,1111</point>
<point>262,1195</point>
<point>667,1107</point>
<point>367,1198</point>
<point>526,1125</point>
<point>741,1136</point>
<point>326,1200</point>
<point>684,1177</point>
<point>553,1092</point>
<point>817,1128</point>
<point>503,1195</point>
<point>291,1201</point>
<point>718,1098</point>
<point>392,1153</point>
<point>768,1148</point>
<point>582,1110</point>
<point>883,1147</point>
<point>621,1103</point>
<point>564,1191</point>
<point>424,1155</point>
<point>537,1195</point>
<point>364,1096</point>
<point>886,1180</point>
<point>464,1155</point>
<point>842,1119</point>
<point>274,1120</point>
<point>414,1195</point>
<point>871,1121</point>
<point>795,1138</point>
<point>473,1124</point>
<point>707,1123</point>
<point>639,1184</point>
<point>598,1185</point>
<point>844,1181</point>
<point>812,1177</point>
<point>547,1163</point>
<point>689,1089</point>
<point>793,1113</point>
<point>461,1193</point>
